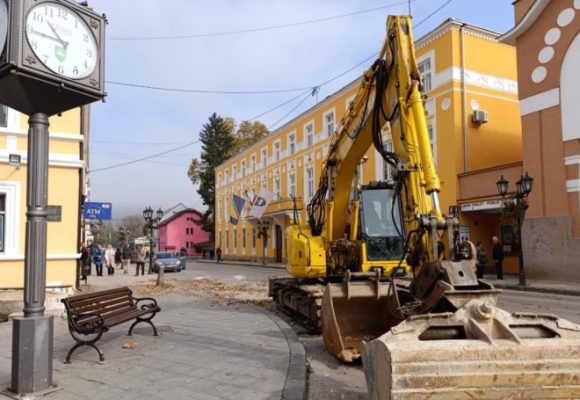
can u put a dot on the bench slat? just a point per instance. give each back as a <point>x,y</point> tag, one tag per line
<point>98,306</point>
<point>98,298</point>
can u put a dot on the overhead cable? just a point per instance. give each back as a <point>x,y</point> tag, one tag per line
<point>251,30</point>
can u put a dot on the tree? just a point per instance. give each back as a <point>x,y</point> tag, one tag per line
<point>217,145</point>
<point>249,133</point>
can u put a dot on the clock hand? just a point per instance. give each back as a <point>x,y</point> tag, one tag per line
<point>44,35</point>
<point>64,44</point>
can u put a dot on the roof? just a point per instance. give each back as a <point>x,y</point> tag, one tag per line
<point>165,220</point>
<point>525,23</point>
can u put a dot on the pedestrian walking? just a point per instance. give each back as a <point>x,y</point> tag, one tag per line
<point>110,260</point>
<point>481,260</point>
<point>203,251</point>
<point>85,262</point>
<point>118,258</point>
<point>126,258</point>
<point>140,260</point>
<point>98,255</point>
<point>498,257</point>
<point>218,254</point>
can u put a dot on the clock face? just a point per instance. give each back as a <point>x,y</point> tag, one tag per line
<point>61,40</point>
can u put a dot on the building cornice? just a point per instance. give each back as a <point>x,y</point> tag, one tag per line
<point>528,20</point>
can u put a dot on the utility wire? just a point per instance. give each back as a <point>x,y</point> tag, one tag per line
<point>433,13</point>
<point>291,111</point>
<point>204,91</point>
<point>280,105</point>
<point>265,28</point>
<point>144,158</point>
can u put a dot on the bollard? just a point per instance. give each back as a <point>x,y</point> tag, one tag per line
<point>161,276</point>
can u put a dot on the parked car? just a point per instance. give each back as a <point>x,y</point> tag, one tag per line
<point>169,260</point>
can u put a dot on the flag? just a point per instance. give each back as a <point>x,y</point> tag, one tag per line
<point>260,203</point>
<point>237,208</point>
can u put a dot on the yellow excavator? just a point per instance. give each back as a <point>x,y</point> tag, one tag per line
<point>438,333</point>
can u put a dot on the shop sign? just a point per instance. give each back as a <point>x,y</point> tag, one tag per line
<point>482,205</point>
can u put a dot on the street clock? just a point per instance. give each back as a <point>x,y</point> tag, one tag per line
<point>54,56</point>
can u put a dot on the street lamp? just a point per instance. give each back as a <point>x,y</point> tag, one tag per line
<point>515,207</point>
<point>123,235</point>
<point>152,223</point>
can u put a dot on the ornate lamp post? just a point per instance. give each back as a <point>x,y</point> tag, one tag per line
<point>515,207</point>
<point>151,223</point>
<point>124,234</point>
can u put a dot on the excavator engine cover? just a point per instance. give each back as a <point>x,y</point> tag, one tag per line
<point>477,352</point>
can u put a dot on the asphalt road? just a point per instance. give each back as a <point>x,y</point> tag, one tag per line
<point>331,380</point>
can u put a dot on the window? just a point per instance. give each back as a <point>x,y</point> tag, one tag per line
<point>329,123</point>
<point>292,184</point>
<point>432,140</point>
<point>264,157</point>
<point>2,220</point>
<point>309,133</point>
<point>277,186</point>
<point>227,240</point>
<point>234,173</point>
<point>226,177</point>
<point>226,210</point>
<point>243,168</point>
<point>3,116</point>
<point>253,164</point>
<point>219,211</point>
<point>187,231</point>
<point>243,238</point>
<point>309,183</point>
<point>277,151</point>
<point>292,143</point>
<point>425,70</point>
<point>220,241</point>
<point>187,245</point>
<point>253,238</point>
<point>235,238</point>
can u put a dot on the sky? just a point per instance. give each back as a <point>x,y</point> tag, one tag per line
<point>142,49</point>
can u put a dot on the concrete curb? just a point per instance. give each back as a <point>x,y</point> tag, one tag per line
<point>242,264</point>
<point>295,384</point>
<point>535,289</point>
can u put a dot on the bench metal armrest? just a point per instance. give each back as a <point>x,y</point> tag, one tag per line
<point>96,325</point>
<point>149,302</point>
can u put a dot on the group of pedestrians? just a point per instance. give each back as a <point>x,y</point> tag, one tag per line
<point>111,258</point>
<point>482,259</point>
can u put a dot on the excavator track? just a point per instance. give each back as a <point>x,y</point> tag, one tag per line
<point>301,298</point>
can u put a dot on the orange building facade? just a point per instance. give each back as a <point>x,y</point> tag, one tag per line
<point>547,37</point>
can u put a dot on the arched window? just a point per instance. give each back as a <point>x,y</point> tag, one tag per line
<point>570,91</point>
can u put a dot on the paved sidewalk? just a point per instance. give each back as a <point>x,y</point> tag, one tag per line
<point>206,350</point>
<point>510,282</point>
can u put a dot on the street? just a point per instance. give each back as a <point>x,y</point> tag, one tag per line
<point>331,380</point>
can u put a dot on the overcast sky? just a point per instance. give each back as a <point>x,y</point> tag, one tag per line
<point>134,122</point>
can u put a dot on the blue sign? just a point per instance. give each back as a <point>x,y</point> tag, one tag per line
<point>98,211</point>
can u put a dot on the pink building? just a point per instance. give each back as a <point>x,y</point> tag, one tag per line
<point>178,230</point>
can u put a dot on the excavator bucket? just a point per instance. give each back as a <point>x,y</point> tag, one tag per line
<point>349,313</point>
<point>477,352</point>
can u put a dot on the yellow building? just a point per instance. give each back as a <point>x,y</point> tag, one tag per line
<point>473,118</point>
<point>66,172</point>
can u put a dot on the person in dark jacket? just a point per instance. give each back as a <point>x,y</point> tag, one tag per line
<point>85,261</point>
<point>98,255</point>
<point>498,257</point>
<point>481,260</point>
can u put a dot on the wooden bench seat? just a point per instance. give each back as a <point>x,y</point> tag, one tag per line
<point>90,315</point>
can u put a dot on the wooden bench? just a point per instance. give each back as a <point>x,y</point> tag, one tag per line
<point>92,314</point>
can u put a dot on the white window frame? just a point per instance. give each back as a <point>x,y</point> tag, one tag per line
<point>277,150</point>
<point>11,189</point>
<point>329,127</point>
<point>348,102</point>
<point>292,142</point>
<point>428,76</point>
<point>253,163</point>
<point>264,158</point>
<point>309,182</point>
<point>277,188</point>
<point>243,168</point>
<point>219,211</point>
<point>309,133</point>
<point>292,184</point>
<point>234,173</point>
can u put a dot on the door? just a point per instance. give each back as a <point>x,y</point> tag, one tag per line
<point>278,243</point>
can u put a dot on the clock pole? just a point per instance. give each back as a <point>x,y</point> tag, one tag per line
<point>32,346</point>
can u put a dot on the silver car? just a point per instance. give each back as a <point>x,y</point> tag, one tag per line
<point>169,260</point>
